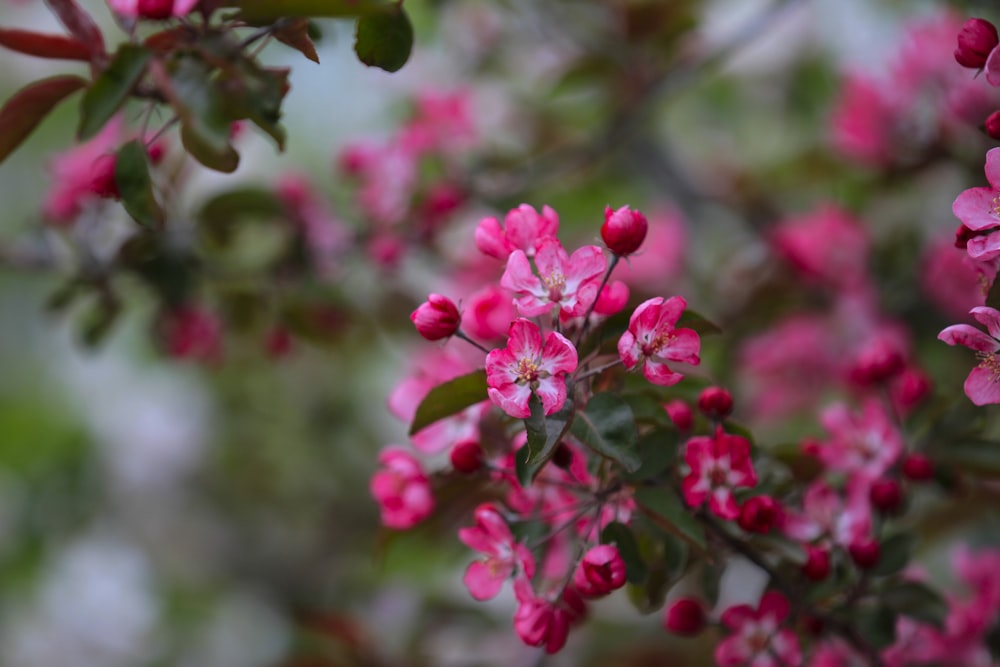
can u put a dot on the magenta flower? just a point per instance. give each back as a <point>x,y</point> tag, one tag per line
<point>601,570</point>
<point>567,281</point>
<point>541,621</point>
<point>436,318</point>
<point>523,229</point>
<point>153,9</point>
<point>758,638</point>
<point>72,174</point>
<point>402,489</point>
<point>979,211</point>
<point>525,366</point>
<point>862,444</point>
<point>652,340</point>
<point>503,557</point>
<point>718,466</point>
<point>983,384</point>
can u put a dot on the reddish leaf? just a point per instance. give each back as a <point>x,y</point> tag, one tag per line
<point>25,110</point>
<point>168,40</point>
<point>295,33</point>
<point>80,25</point>
<point>44,46</point>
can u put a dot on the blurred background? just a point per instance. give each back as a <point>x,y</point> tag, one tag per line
<point>159,510</point>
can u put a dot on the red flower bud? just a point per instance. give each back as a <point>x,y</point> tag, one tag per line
<point>623,230</point>
<point>817,566</point>
<point>467,457</point>
<point>975,41</point>
<point>880,360</point>
<point>563,456</point>
<point>759,514</point>
<point>155,9</point>
<point>864,552</point>
<point>886,495</point>
<point>715,403</point>
<point>993,125</point>
<point>680,414</point>
<point>685,617</point>
<point>918,468</point>
<point>436,318</point>
<point>102,177</point>
<point>601,571</point>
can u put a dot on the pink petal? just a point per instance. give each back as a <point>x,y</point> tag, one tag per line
<point>970,337</point>
<point>982,386</point>
<point>974,207</point>
<point>671,311</point>
<point>183,7</point>
<point>501,367</point>
<point>993,167</point>
<point>989,318</point>
<point>490,239</point>
<point>660,374</point>
<point>993,67</point>
<point>552,391</point>
<point>483,581</point>
<point>737,616</point>
<point>550,257</point>
<point>723,504</point>
<point>732,651</point>
<point>645,317</point>
<point>525,339</point>
<point>587,263</point>
<point>774,604</point>
<point>518,276</point>
<point>559,355</point>
<point>694,493</point>
<point>684,346</point>
<point>512,399</point>
<point>984,248</point>
<point>628,350</point>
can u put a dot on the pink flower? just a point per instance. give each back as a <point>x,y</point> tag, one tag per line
<point>503,556</point>
<point>661,258</point>
<point>612,299</point>
<point>976,39</point>
<point>191,332</point>
<point>623,230</point>
<point>718,466</point>
<point>979,211</point>
<point>401,489</point>
<point>436,318</point>
<point>652,340</point>
<point>487,314</point>
<point>863,119</point>
<point>983,384</point>
<point>953,281</point>
<point>827,517</point>
<point>540,621</point>
<point>153,9</point>
<point>601,571</point>
<point>73,174</point>
<point>863,444</point>
<point>523,229</point>
<point>524,366</point>
<point>758,638</point>
<point>827,245</point>
<point>567,282</point>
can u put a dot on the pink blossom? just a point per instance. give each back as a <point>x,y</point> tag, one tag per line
<point>436,318</point>
<point>979,210</point>
<point>983,384</point>
<point>612,299</point>
<point>757,637</point>
<point>401,489</point>
<point>623,230</point>
<point>153,9</point>
<point>73,175</point>
<point>827,517</point>
<point>503,557</point>
<point>953,281</point>
<point>601,570</point>
<point>862,444</point>
<point>523,229</point>
<point>827,245</point>
<point>487,314</point>
<point>652,340</point>
<point>191,332</point>
<point>568,282</point>
<point>443,122</point>
<point>977,38</point>
<point>718,466</point>
<point>661,258</point>
<point>540,621</point>
<point>863,121</point>
<point>524,367</point>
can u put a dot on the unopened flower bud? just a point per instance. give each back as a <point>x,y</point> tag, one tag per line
<point>715,403</point>
<point>680,414</point>
<point>601,571</point>
<point>436,318</point>
<point>975,41</point>
<point>685,617</point>
<point>879,360</point>
<point>467,457</point>
<point>993,125</point>
<point>918,468</point>
<point>886,495</point>
<point>864,552</point>
<point>758,514</point>
<point>563,456</point>
<point>102,177</point>
<point>817,565</point>
<point>623,230</point>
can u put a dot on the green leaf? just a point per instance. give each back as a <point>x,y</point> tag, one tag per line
<point>450,398</point>
<point>657,450</point>
<point>916,600</point>
<point>135,185</point>
<point>894,554</point>
<point>384,40</point>
<point>621,536</point>
<point>691,319</point>
<point>651,594</point>
<point>544,436</point>
<point>665,504</point>
<point>111,88</point>
<point>978,457</point>
<point>608,427</point>
<point>263,12</point>
<point>29,106</point>
<point>221,217</point>
<point>876,624</point>
<point>255,93</point>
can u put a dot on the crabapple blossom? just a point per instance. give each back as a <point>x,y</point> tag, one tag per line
<point>827,245</point>
<point>979,210</point>
<point>72,173</point>
<point>568,282</point>
<point>975,41</point>
<point>828,517</point>
<point>523,229</point>
<point>758,514</point>
<point>153,9</point>
<point>601,570</point>
<point>467,456</point>
<point>983,384</point>
<point>436,318</point>
<point>540,621</point>
<point>402,489</point>
<point>718,465</point>
<point>487,313</point>
<point>715,402</point>
<point>918,468</point>
<point>685,617</point>
<point>680,414</point>
<point>652,340</point>
<point>524,367</point>
<point>863,443</point>
<point>192,332</point>
<point>757,636</point>
<point>503,556</point>
<point>623,230</point>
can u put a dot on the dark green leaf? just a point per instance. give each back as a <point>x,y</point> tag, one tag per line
<point>544,435</point>
<point>665,504</point>
<point>608,427</point>
<point>691,319</point>
<point>978,457</point>
<point>894,554</point>
<point>111,88</point>
<point>650,595</point>
<point>263,12</point>
<point>98,321</point>
<point>29,106</point>
<point>621,536</point>
<point>675,555</point>
<point>876,624</point>
<point>135,185</point>
<point>657,450</point>
<point>255,93</point>
<point>384,40</point>
<point>916,600</point>
<point>709,578</point>
<point>450,398</point>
